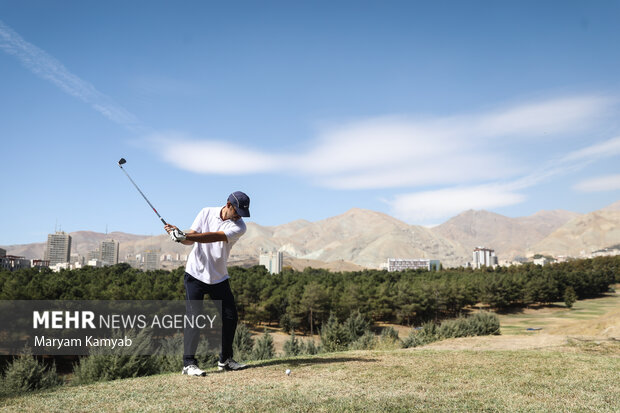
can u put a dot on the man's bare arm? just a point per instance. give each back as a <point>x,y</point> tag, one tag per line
<point>188,242</point>
<point>204,237</point>
<point>192,236</point>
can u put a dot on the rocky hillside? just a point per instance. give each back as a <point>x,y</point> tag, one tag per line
<point>509,237</point>
<point>582,235</point>
<point>361,238</point>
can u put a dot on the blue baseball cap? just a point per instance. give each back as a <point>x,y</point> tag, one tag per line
<point>241,202</point>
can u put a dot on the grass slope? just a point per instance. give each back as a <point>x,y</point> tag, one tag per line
<point>583,379</point>
<point>556,371</point>
<point>592,317</point>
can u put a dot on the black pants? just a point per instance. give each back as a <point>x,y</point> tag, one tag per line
<point>195,290</point>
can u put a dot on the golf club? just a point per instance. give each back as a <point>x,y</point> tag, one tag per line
<point>120,164</point>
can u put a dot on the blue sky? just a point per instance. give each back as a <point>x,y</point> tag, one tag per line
<point>420,110</point>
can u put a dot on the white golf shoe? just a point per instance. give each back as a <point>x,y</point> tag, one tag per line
<point>193,370</point>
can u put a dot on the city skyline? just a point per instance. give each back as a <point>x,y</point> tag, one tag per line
<point>417,110</point>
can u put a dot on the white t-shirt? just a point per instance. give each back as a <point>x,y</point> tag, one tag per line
<point>207,261</point>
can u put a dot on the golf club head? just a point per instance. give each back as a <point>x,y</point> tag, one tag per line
<point>122,161</point>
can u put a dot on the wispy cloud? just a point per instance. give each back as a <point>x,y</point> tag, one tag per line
<point>429,207</point>
<point>599,184</point>
<point>47,67</point>
<point>406,152</point>
<point>433,206</point>
<point>541,118</point>
<point>213,157</point>
<point>610,147</point>
<point>472,156</point>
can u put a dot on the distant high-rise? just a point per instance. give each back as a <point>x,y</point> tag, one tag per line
<point>151,260</point>
<point>109,252</point>
<point>401,264</point>
<point>58,249</point>
<point>484,257</point>
<point>272,261</point>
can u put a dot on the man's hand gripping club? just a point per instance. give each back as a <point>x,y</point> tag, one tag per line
<point>176,234</point>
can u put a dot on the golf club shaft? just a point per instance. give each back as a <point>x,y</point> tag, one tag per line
<point>143,196</point>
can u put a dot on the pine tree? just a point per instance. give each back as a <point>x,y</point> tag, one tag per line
<point>243,343</point>
<point>569,296</point>
<point>25,373</point>
<point>292,346</point>
<point>264,349</point>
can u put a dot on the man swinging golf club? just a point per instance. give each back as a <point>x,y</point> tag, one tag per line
<point>213,233</point>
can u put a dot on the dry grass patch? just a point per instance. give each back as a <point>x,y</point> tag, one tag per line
<point>401,380</point>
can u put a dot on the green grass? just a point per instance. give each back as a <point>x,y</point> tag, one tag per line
<point>579,379</point>
<point>557,315</point>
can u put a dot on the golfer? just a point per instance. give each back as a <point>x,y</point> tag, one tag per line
<point>213,233</point>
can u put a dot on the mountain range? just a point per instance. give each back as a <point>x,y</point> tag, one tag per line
<point>362,238</point>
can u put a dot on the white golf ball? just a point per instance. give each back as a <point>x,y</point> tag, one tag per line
<point>288,372</point>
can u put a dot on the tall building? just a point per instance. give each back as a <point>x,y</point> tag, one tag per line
<point>151,260</point>
<point>109,252</point>
<point>484,257</point>
<point>400,264</point>
<point>58,249</point>
<point>272,261</point>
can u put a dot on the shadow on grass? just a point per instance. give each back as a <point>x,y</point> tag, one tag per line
<point>520,308</point>
<point>309,361</point>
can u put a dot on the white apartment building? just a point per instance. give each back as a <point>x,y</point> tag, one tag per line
<point>401,264</point>
<point>272,261</point>
<point>484,257</point>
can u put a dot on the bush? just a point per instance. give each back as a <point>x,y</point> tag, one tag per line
<point>454,328</point>
<point>569,296</point>
<point>484,324</point>
<point>480,324</point>
<point>25,374</point>
<point>421,336</point>
<point>356,325</point>
<point>366,342</point>
<point>170,354</point>
<point>334,336</point>
<point>292,347</point>
<point>206,355</point>
<point>308,347</point>
<point>388,340</point>
<point>389,333</point>
<point>264,349</point>
<point>243,343</point>
<point>124,363</point>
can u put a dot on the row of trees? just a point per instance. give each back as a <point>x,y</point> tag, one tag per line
<point>304,300</point>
